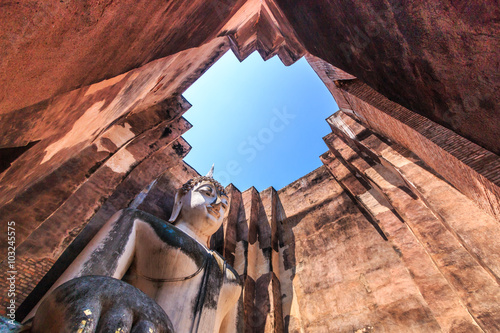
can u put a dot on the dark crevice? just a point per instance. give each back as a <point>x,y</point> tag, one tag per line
<point>10,154</point>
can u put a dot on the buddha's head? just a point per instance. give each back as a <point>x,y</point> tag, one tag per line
<point>201,203</point>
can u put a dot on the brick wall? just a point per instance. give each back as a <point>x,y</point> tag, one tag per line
<point>472,169</point>
<point>28,270</point>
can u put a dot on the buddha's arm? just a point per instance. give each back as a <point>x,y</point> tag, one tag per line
<point>109,253</point>
<point>231,302</point>
<point>230,322</point>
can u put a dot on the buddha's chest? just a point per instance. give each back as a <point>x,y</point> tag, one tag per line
<point>175,286</point>
<point>174,277</point>
<point>158,259</point>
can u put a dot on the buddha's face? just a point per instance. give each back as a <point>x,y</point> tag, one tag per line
<point>204,208</point>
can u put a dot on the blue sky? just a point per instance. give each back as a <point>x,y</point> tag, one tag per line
<point>261,123</point>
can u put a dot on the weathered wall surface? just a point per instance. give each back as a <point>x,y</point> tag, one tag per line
<point>53,47</point>
<point>261,26</point>
<point>344,276</point>
<point>472,169</point>
<point>436,58</point>
<point>447,243</point>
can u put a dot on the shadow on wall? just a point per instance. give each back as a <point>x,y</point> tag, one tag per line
<point>10,154</point>
<point>286,243</point>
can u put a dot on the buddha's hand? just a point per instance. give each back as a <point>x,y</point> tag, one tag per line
<point>99,304</point>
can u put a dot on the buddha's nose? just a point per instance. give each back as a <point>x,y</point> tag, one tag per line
<point>218,201</point>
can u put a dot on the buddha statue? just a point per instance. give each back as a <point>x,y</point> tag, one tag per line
<point>142,274</point>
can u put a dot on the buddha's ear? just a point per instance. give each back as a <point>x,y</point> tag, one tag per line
<point>177,206</point>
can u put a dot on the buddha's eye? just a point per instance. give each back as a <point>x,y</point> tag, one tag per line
<point>207,190</point>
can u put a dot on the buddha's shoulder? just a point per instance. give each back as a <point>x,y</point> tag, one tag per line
<point>161,227</point>
<point>136,214</point>
<point>166,232</point>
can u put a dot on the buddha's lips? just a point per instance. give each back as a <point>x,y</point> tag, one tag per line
<point>213,212</point>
